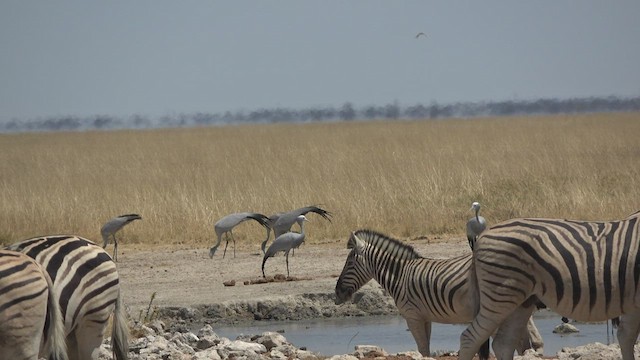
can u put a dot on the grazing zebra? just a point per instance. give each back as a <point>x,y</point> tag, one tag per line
<point>86,282</point>
<point>588,271</point>
<point>30,319</point>
<point>425,290</point>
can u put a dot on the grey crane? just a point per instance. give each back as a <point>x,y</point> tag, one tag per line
<point>282,222</point>
<point>475,225</point>
<point>272,220</point>
<point>285,242</point>
<point>420,34</point>
<point>226,224</point>
<point>114,225</point>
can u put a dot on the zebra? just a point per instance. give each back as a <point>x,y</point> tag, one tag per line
<point>425,290</point>
<point>584,270</point>
<point>30,319</point>
<point>86,282</point>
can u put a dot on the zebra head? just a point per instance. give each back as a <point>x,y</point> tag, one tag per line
<point>355,273</point>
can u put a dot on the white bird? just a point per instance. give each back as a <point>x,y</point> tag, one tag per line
<point>226,225</point>
<point>114,225</point>
<point>475,225</point>
<point>286,242</point>
<point>282,222</point>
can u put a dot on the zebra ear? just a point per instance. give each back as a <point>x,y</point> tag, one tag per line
<point>355,243</point>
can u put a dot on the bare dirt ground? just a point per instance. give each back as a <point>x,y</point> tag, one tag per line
<point>188,277</point>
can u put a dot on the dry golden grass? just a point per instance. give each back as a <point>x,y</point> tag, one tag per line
<point>407,179</point>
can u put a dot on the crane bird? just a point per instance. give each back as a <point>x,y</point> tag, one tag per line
<point>282,222</point>
<point>285,242</point>
<point>475,225</point>
<point>420,34</point>
<point>272,220</point>
<point>226,225</point>
<point>114,225</point>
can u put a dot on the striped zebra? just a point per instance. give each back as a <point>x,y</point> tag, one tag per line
<point>30,319</point>
<point>424,290</point>
<point>588,271</point>
<point>86,282</point>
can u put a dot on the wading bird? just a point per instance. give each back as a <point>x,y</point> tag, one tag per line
<point>272,220</point>
<point>282,222</point>
<point>475,225</point>
<point>226,225</point>
<point>112,227</point>
<point>286,242</point>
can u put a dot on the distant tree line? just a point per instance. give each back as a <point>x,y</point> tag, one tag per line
<point>346,112</point>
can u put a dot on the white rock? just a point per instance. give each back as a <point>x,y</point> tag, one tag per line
<point>209,354</point>
<point>565,328</point>
<point>415,355</point>
<point>206,330</point>
<point>243,346</point>
<point>343,357</point>
<point>369,351</point>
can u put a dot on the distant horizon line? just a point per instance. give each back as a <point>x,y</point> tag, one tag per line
<point>345,112</point>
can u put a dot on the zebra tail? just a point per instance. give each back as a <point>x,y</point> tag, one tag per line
<point>120,332</point>
<point>483,352</point>
<point>55,343</point>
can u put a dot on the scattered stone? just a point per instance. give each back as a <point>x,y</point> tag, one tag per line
<point>368,351</point>
<point>229,283</point>
<point>565,329</point>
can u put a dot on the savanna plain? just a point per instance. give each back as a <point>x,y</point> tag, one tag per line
<point>414,180</point>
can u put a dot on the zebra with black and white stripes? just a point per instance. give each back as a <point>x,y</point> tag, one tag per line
<point>424,290</point>
<point>584,270</point>
<point>30,320</point>
<point>87,285</point>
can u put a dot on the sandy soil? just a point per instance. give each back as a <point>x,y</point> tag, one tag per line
<point>188,277</point>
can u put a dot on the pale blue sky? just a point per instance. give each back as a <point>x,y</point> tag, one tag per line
<point>158,57</point>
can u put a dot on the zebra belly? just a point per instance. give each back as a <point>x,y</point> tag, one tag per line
<point>585,304</point>
<point>459,315</point>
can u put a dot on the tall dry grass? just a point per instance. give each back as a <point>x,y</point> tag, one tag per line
<point>405,178</point>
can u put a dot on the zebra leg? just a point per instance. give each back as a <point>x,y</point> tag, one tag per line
<point>510,334</point>
<point>535,339</point>
<point>89,338</point>
<point>628,330</point>
<point>421,331</point>
<point>475,336</point>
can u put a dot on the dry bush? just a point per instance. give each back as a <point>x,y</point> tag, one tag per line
<point>406,178</point>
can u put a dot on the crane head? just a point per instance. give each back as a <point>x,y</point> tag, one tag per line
<point>475,206</point>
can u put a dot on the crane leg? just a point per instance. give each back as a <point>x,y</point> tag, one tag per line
<point>287,264</point>
<point>225,246</point>
<point>234,245</point>
<point>115,248</point>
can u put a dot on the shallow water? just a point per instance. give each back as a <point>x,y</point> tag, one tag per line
<point>340,335</point>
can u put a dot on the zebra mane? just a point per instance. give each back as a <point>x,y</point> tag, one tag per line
<point>385,243</point>
<point>635,214</point>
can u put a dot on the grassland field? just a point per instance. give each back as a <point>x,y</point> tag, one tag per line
<point>406,178</point>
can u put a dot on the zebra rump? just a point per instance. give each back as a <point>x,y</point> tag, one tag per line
<point>30,321</point>
<point>87,287</point>
<point>584,270</point>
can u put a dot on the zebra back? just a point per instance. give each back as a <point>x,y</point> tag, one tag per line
<point>435,289</point>
<point>86,282</point>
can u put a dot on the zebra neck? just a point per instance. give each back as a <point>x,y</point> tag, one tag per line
<point>388,273</point>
